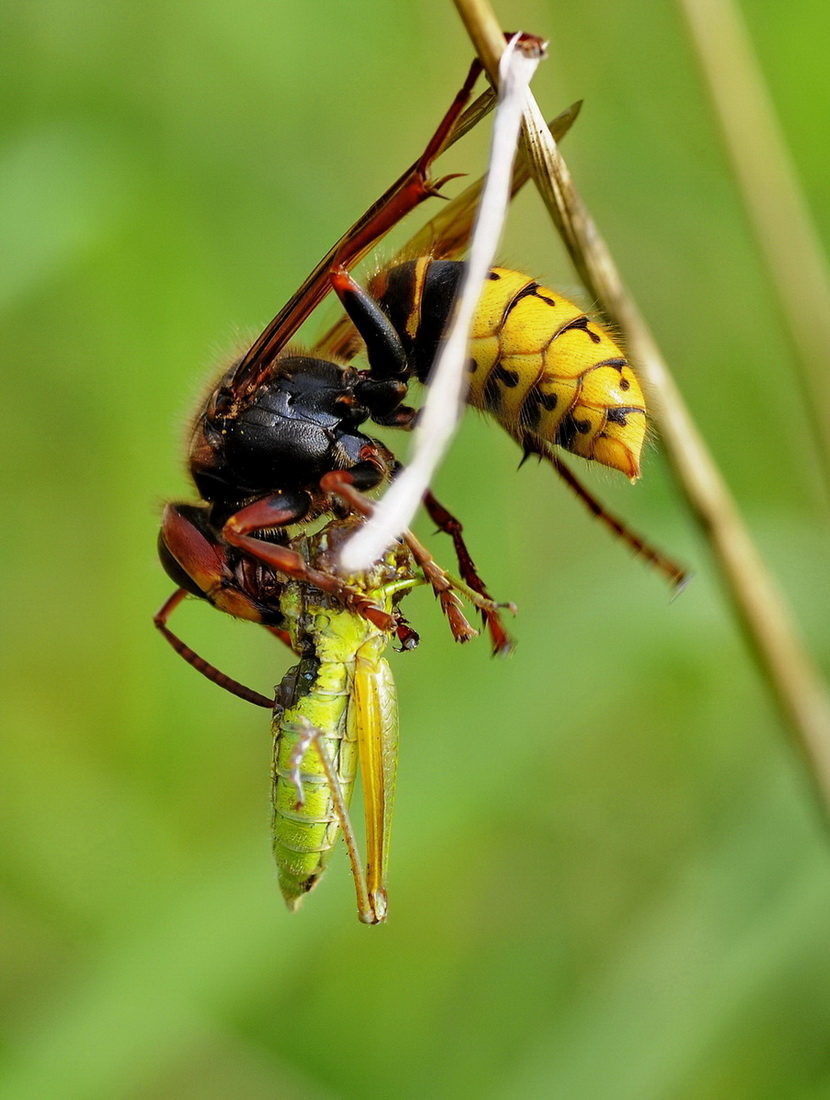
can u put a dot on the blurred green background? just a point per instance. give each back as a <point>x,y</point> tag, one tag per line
<point>608,876</point>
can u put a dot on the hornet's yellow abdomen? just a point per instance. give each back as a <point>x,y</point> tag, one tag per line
<point>538,364</point>
<point>541,367</point>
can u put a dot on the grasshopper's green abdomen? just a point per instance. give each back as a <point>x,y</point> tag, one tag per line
<point>305,834</point>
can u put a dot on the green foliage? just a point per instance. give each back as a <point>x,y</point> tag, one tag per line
<point>607,878</point>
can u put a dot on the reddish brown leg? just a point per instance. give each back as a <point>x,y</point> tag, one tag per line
<point>469,574</point>
<point>411,189</point>
<point>442,587</point>
<point>199,663</point>
<point>267,513</point>
<point>675,574</point>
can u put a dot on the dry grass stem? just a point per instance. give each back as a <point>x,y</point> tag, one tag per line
<point>796,682</point>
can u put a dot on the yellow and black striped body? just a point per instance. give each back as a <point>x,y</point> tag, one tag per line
<point>548,373</point>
